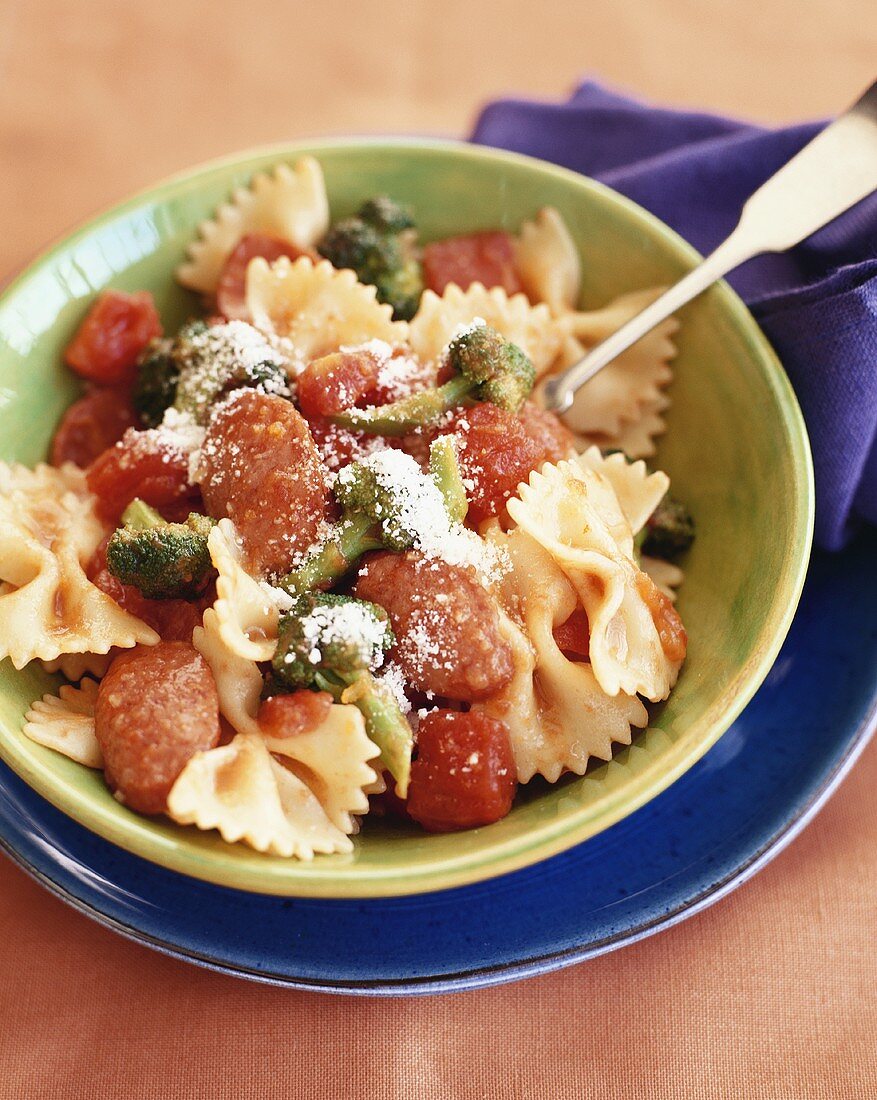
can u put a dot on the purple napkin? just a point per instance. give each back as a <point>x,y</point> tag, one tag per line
<point>817,304</point>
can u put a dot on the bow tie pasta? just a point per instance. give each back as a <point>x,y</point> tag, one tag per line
<point>574,513</point>
<point>322,551</point>
<point>48,606</point>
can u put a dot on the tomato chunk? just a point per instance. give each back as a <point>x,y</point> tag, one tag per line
<point>261,468</point>
<point>446,625</point>
<point>299,712</point>
<point>109,341</point>
<point>336,382</point>
<point>231,290</point>
<point>573,637</point>
<point>487,258</point>
<point>551,437</point>
<point>142,464</point>
<point>156,707</point>
<point>499,450</point>
<point>464,775</point>
<point>91,424</point>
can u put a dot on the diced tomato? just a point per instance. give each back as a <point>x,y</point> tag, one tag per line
<point>499,450</point>
<point>336,382</point>
<point>109,341</point>
<point>464,775</point>
<point>231,290</point>
<point>487,258</point>
<point>337,446</point>
<point>141,464</point>
<point>551,437</point>
<point>91,424</point>
<point>574,636</point>
<point>299,712</point>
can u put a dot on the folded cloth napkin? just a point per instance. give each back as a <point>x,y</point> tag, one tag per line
<point>817,304</point>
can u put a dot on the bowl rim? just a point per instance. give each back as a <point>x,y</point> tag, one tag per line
<point>278,877</point>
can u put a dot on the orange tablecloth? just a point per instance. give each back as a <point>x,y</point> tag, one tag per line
<point>772,993</point>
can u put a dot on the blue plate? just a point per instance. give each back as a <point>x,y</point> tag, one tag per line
<point>716,826</point>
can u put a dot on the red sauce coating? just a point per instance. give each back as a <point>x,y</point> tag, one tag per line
<point>674,639</point>
<point>231,290</point>
<point>141,464</point>
<point>109,341</point>
<point>90,425</point>
<point>487,258</point>
<point>573,637</point>
<point>446,625</point>
<point>262,470</point>
<point>464,775</point>
<point>299,712</point>
<point>156,707</point>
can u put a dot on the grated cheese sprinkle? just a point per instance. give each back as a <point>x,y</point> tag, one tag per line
<point>392,680</point>
<point>179,432</point>
<point>350,624</point>
<point>420,509</point>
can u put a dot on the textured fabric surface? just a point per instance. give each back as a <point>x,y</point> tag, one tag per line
<point>817,304</point>
<point>769,995</point>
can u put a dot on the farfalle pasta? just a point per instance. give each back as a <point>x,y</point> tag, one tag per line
<point>346,563</point>
<point>557,713</point>
<point>49,607</point>
<point>287,202</point>
<point>65,722</point>
<point>530,327</point>
<point>317,309</point>
<point>575,515</point>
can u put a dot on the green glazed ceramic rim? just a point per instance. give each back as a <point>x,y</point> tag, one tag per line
<point>220,863</point>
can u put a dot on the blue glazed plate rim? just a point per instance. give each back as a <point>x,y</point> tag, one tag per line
<point>503,973</point>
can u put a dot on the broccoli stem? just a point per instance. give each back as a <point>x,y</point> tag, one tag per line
<point>385,724</point>
<point>140,516</point>
<point>444,467</point>
<point>412,412</point>
<point>333,560</point>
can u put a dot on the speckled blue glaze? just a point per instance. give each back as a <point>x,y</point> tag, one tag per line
<point>708,832</point>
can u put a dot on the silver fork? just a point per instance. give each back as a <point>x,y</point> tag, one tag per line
<point>837,169</point>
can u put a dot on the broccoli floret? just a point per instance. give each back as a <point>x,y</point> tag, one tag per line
<point>373,518</point>
<point>215,360</point>
<point>165,561</point>
<point>325,632</point>
<point>669,531</point>
<point>330,643</point>
<point>487,368</point>
<point>401,286</point>
<point>386,215</point>
<point>155,389</point>
<point>199,365</point>
<point>379,245</point>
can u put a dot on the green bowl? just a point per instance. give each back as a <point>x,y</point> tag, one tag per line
<point>735,449</point>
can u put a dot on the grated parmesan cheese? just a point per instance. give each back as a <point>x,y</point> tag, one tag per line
<point>352,625</point>
<point>392,680</point>
<point>179,432</point>
<point>420,509</point>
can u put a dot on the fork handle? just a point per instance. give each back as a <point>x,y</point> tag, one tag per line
<point>837,169</point>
